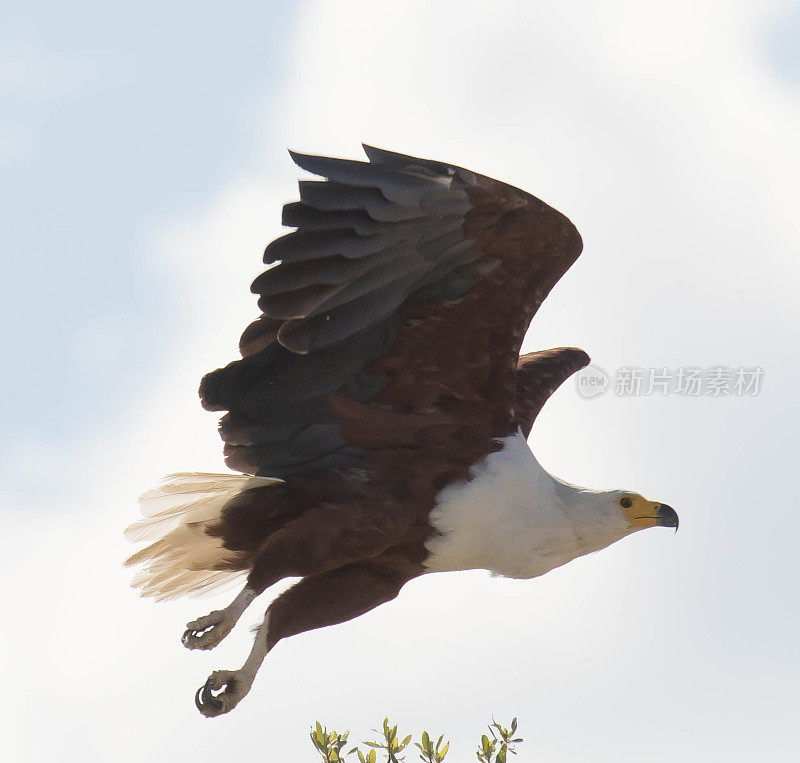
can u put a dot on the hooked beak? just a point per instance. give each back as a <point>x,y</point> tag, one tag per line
<point>642,513</point>
<point>667,516</point>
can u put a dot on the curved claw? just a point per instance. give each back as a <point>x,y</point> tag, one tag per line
<point>207,631</point>
<point>233,690</point>
<point>193,638</point>
<point>207,703</point>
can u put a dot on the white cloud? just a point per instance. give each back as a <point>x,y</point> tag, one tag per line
<point>662,135</point>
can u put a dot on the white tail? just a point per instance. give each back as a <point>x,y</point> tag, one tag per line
<point>183,558</point>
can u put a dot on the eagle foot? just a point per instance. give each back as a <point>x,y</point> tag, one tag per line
<point>223,690</point>
<point>207,631</point>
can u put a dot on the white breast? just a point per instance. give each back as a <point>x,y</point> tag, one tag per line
<point>510,519</point>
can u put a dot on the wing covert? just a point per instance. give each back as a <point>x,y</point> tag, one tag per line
<point>539,375</point>
<point>408,284</point>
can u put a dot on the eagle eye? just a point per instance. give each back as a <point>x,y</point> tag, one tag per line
<point>625,502</point>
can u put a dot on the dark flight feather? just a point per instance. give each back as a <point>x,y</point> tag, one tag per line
<point>408,286</point>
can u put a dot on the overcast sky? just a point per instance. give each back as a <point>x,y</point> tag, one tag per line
<point>144,149</point>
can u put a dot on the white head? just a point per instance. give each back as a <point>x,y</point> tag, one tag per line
<point>602,517</point>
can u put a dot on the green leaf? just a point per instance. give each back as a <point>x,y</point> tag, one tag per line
<point>371,757</point>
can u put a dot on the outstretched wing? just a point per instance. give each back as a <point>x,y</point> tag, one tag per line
<point>392,316</point>
<point>539,375</point>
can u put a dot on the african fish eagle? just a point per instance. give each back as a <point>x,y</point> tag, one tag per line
<point>378,416</point>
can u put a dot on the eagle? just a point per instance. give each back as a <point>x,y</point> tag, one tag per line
<point>377,419</point>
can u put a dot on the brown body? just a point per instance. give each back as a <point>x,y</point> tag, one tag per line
<point>384,366</point>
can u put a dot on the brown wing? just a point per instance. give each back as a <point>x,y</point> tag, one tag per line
<point>539,375</point>
<point>393,318</point>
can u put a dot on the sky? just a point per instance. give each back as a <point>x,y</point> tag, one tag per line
<point>144,163</point>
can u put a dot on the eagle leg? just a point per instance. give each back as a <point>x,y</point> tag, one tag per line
<point>207,631</point>
<point>315,602</point>
<point>325,539</point>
